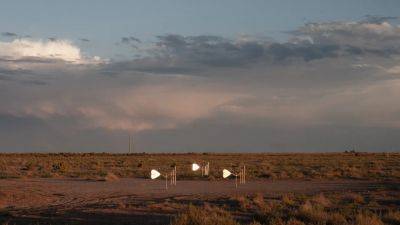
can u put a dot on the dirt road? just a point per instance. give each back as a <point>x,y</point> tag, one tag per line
<point>137,201</point>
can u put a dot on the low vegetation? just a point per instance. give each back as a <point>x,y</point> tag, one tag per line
<point>319,209</point>
<point>259,166</point>
<point>375,205</point>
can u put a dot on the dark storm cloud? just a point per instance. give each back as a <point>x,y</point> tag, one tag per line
<point>52,39</point>
<point>173,53</point>
<point>13,72</point>
<point>186,54</point>
<point>9,34</point>
<point>22,76</point>
<point>129,40</point>
<point>329,87</point>
<point>374,35</point>
<point>210,50</point>
<point>307,52</point>
<point>150,65</point>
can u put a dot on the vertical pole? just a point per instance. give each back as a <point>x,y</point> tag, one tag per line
<point>166,181</point>
<point>133,144</point>
<point>240,175</point>
<point>244,174</point>
<point>235,181</point>
<point>175,175</point>
<point>129,150</point>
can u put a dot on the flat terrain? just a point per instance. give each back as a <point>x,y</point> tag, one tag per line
<point>282,189</point>
<point>350,165</point>
<point>132,200</point>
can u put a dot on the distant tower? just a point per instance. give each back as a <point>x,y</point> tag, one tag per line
<point>131,144</point>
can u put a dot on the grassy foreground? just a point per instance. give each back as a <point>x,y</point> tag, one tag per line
<point>270,166</point>
<point>376,208</point>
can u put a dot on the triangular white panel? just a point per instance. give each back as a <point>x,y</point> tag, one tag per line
<point>195,167</point>
<point>226,173</point>
<point>154,174</point>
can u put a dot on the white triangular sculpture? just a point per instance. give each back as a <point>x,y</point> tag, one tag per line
<point>195,167</point>
<point>226,173</point>
<point>154,174</point>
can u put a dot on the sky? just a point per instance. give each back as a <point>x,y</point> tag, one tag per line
<point>192,76</point>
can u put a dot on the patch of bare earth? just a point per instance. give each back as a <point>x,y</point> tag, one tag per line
<point>143,201</point>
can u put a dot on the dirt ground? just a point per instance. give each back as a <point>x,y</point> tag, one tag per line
<point>139,201</point>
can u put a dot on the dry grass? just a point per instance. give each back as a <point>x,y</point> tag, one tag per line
<point>320,199</point>
<point>354,198</point>
<point>318,209</point>
<point>271,166</point>
<point>204,216</point>
<point>366,219</point>
<point>392,218</point>
<point>111,177</point>
<point>289,209</point>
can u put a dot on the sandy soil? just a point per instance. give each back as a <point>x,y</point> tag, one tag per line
<point>136,201</point>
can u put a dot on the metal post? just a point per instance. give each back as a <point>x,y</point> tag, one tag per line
<point>129,150</point>
<point>175,175</point>
<point>244,174</point>
<point>236,185</point>
<point>133,144</point>
<point>166,181</point>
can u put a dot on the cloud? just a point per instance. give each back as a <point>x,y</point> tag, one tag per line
<point>378,19</point>
<point>307,52</point>
<point>208,50</point>
<point>130,39</point>
<point>172,52</point>
<point>330,86</point>
<point>52,39</point>
<point>139,103</point>
<point>9,34</point>
<point>394,70</point>
<point>371,34</point>
<point>22,49</point>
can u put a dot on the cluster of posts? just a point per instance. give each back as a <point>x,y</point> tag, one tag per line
<point>205,170</point>
<point>241,174</point>
<point>171,176</point>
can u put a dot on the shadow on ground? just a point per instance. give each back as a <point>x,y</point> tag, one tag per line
<point>79,217</point>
